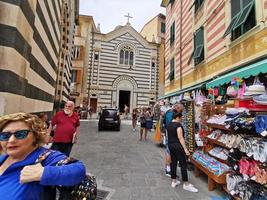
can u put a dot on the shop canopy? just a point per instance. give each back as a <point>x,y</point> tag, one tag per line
<point>188,89</point>
<point>244,72</point>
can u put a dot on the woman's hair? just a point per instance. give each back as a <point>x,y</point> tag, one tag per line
<point>177,114</point>
<point>35,124</point>
<point>41,115</point>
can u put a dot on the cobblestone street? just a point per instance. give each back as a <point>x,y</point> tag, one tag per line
<point>128,168</point>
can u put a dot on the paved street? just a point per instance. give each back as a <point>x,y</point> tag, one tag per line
<point>128,168</point>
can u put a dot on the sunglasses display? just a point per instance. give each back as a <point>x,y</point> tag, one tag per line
<point>21,134</point>
<point>188,124</point>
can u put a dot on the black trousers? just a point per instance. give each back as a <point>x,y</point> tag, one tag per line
<point>62,147</point>
<point>178,154</point>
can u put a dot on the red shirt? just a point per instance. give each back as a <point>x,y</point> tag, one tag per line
<point>65,126</point>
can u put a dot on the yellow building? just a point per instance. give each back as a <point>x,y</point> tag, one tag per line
<point>154,31</point>
<point>81,55</point>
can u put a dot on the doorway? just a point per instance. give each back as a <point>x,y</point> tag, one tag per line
<point>93,104</point>
<point>124,99</point>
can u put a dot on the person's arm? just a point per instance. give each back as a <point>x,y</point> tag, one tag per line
<point>54,121</point>
<point>75,135</point>
<point>181,139</point>
<point>66,175</point>
<point>49,174</point>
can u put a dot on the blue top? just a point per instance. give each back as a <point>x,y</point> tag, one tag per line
<point>66,175</point>
<point>168,117</point>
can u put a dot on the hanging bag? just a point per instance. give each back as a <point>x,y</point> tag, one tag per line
<point>85,190</point>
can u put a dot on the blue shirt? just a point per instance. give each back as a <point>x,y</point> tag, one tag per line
<point>66,175</point>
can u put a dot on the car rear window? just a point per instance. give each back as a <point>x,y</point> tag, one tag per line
<point>109,113</point>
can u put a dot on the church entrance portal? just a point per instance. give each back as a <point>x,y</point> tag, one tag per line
<point>124,99</point>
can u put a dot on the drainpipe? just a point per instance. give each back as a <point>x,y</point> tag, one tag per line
<point>181,48</point>
<point>90,68</point>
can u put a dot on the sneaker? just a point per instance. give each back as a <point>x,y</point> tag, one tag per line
<point>174,184</point>
<point>190,188</point>
<point>168,173</point>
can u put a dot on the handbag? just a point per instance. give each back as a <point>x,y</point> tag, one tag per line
<point>85,190</point>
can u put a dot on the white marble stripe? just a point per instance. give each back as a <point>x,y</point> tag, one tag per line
<point>45,39</point>
<point>49,23</point>
<point>38,54</point>
<point>54,18</point>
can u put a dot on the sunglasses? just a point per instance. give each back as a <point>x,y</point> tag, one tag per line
<point>21,134</point>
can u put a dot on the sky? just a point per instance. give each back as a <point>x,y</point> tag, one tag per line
<point>110,13</point>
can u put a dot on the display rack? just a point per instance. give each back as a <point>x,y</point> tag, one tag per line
<point>212,178</point>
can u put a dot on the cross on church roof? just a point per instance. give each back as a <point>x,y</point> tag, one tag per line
<point>128,16</point>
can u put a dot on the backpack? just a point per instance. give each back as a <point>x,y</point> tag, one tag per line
<point>168,117</point>
<point>86,190</point>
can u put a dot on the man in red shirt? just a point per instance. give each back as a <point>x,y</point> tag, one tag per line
<point>65,134</point>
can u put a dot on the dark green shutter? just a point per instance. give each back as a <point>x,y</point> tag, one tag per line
<point>231,25</point>
<point>243,15</point>
<point>199,43</point>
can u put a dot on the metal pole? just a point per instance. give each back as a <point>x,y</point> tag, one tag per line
<point>90,68</point>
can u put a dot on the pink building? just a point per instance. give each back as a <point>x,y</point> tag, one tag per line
<point>206,38</point>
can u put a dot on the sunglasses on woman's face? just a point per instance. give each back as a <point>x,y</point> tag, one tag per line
<point>21,134</point>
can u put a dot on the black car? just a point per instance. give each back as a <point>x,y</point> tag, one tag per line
<point>109,118</point>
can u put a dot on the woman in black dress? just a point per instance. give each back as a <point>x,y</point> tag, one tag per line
<point>178,152</point>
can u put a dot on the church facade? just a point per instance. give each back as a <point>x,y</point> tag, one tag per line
<point>123,69</point>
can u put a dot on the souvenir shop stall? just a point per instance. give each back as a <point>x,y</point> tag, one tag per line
<point>232,140</point>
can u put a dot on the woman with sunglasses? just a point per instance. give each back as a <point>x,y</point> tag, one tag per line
<point>21,137</point>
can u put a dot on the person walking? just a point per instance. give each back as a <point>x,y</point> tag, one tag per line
<point>66,131</point>
<point>134,119</point>
<point>126,111</point>
<point>142,119</point>
<point>178,151</point>
<point>90,110</point>
<point>48,137</point>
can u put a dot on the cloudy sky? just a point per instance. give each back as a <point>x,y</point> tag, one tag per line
<point>110,13</point>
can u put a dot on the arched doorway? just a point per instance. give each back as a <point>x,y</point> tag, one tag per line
<point>124,93</point>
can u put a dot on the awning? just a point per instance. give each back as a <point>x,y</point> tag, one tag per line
<point>178,92</point>
<point>244,72</point>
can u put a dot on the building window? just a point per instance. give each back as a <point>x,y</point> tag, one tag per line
<point>74,76</point>
<point>126,56</point>
<point>153,64</point>
<point>76,52</point>
<point>243,18</point>
<point>131,58</point>
<point>172,71</point>
<point>198,53</point>
<point>162,27</point>
<point>171,2</point>
<point>172,33</point>
<point>198,4</point>
<point>96,56</point>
